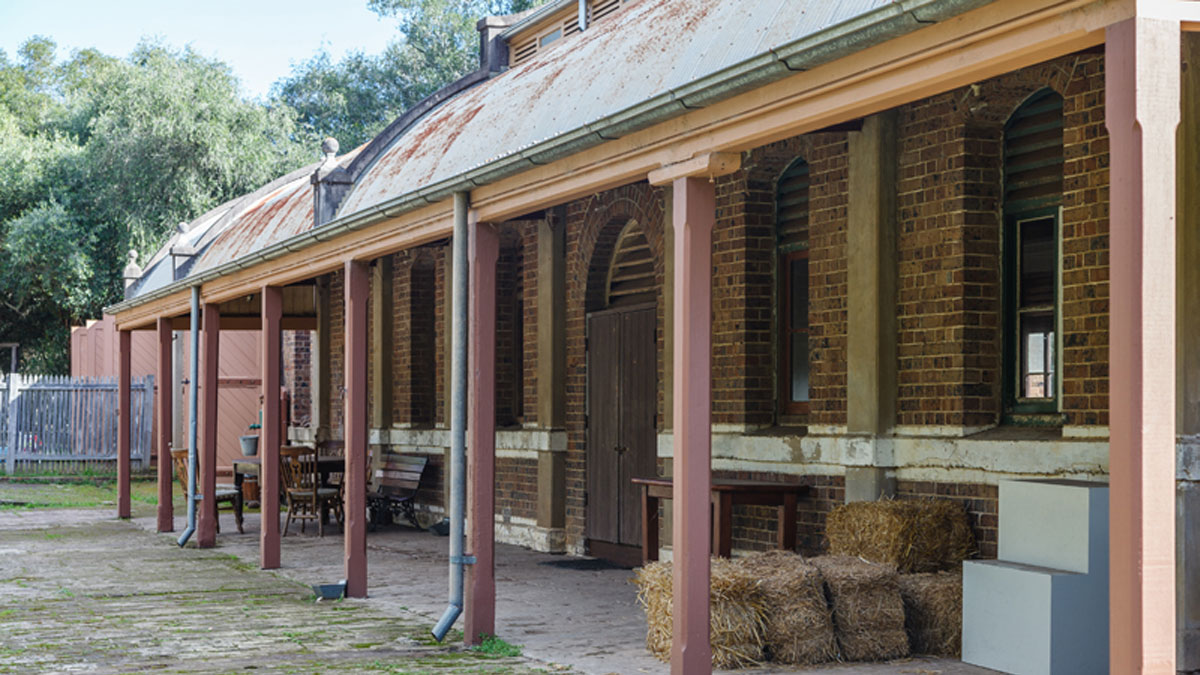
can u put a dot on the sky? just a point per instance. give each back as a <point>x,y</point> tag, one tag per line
<point>259,39</point>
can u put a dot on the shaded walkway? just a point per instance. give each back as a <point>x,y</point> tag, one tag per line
<point>561,609</point>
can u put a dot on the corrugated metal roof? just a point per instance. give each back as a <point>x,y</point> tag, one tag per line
<point>281,209</point>
<point>647,48</point>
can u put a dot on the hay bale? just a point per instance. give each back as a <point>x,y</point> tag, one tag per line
<point>922,535</point>
<point>799,628</point>
<point>868,614</point>
<point>933,612</point>
<point>737,613</point>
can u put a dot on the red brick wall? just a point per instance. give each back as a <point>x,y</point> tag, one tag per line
<point>297,374</point>
<point>441,295</point>
<point>337,354</point>
<point>516,487</point>
<point>510,331</point>
<point>950,320</point>
<point>415,332</point>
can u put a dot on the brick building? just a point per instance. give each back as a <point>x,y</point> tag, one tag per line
<point>873,259</point>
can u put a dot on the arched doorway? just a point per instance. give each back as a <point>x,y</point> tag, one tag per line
<point>621,399</point>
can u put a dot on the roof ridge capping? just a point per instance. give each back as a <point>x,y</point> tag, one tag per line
<point>856,34</point>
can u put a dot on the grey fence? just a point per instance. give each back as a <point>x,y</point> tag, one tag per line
<point>63,423</point>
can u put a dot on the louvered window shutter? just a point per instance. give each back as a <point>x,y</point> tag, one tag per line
<point>631,275</point>
<point>1033,153</point>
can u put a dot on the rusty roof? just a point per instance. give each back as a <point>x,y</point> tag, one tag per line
<point>278,210</point>
<point>652,56</point>
<point>647,48</point>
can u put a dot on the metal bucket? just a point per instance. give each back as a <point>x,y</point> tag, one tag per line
<point>250,445</point>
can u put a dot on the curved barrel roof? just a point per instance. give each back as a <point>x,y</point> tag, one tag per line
<point>647,49</point>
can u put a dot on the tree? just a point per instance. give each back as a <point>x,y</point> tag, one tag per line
<point>99,155</point>
<point>353,100</point>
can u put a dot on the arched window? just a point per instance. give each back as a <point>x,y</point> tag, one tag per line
<point>631,274</point>
<point>1033,187</point>
<point>791,228</point>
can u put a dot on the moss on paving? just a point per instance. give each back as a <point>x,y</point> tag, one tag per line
<point>108,597</point>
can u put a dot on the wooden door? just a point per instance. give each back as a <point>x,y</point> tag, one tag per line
<point>621,435</point>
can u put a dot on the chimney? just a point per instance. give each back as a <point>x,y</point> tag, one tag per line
<point>330,184</point>
<point>493,52</point>
<point>132,273</point>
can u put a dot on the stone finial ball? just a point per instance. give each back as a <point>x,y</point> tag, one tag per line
<point>181,228</point>
<point>133,256</point>
<point>329,146</point>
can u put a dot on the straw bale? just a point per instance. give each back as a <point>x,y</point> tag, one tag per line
<point>923,535</point>
<point>933,612</point>
<point>868,614</point>
<point>737,615</point>
<point>799,628</point>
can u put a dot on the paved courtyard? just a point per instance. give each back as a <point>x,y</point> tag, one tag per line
<point>83,592</point>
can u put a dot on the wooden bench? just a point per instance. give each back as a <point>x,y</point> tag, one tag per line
<point>396,481</point>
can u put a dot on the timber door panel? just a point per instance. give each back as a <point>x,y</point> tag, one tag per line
<point>639,403</point>
<point>621,436</point>
<point>604,420</point>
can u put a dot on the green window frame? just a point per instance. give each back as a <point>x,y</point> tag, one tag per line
<point>1032,256</point>
<point>792,277</point>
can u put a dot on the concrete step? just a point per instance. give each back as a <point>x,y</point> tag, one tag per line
<point>1060,524</point>
<point>1032,620</point>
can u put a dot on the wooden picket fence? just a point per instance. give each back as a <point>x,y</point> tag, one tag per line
<point>65,424</point>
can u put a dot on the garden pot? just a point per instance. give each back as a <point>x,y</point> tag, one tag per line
<point>250,445</point>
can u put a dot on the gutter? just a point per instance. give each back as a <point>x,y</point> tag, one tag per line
<point>866,30</point>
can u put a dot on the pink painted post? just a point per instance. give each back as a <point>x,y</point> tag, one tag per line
<point>694,216</point>
<point>206,531</point>
<point>166,469</point>
<point>358,289</point>
<point>124,419</point>
<point>1142,81</point>
<point>481,423</point>
<point>268,537</point>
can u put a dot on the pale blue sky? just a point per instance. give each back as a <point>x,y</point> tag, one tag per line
<point>260,39</point>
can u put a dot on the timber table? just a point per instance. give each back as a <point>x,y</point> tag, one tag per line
<point>249,466</point>
<point>725,494</point>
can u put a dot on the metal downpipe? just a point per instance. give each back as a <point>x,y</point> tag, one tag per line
<point>193,410</point>
<point>458,419</point>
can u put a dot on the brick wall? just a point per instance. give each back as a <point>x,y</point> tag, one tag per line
<point>516,487</point>
<point>415,332</point>
<point>950,322</point>
<point>510,331</point>
<point>337,354</point>
<point>297,374</point>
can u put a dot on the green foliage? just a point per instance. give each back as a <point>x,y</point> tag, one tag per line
<point>494,646</point>
<point>354,99</point>
<point>100,155</point>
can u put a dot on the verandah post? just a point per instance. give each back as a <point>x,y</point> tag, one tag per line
<point>272,315</point>
<point>1142,82</point>
<point>124,421</point>
<point>357,288</point>
<point>166,468</point>
<point>206,532</point>
<point>481,424</point>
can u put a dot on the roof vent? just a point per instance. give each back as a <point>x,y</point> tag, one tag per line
<point>557,25</point>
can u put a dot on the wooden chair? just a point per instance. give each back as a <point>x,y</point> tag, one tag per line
<point>396,483</point>
<point>226,494</point>
<point>307,499</point>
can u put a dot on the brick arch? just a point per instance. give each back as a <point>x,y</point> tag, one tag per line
<point>607,215</point>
